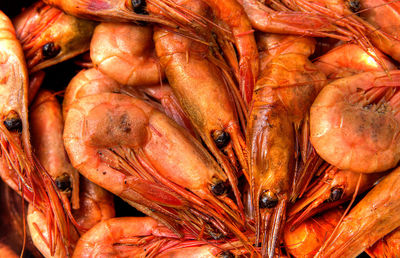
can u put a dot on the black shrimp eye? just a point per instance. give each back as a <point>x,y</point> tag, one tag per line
<point>336,194</point>
<point>139,6</point>
<point>13,122</point>
<point>63,182</point>
<point>226,254</point>
<point>354,5</point>
<point>218,188</point>
<point>268,200</point>
<point>221,138</point>
<point>49,50</point>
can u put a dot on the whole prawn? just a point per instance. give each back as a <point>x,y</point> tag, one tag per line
<point>366,224</point>
<point>354,123</point>
<point>20,169</point>
<point>283,93</point>
<point>129,162</point>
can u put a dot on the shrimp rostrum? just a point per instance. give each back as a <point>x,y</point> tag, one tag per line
<point>136,152</point>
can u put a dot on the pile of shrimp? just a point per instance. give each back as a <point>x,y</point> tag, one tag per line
<point>199,128</point>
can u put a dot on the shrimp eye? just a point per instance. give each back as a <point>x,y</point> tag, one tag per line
<point>49,50</point>
<point>219,188</point>
<point>354,5</point>
<point>139,6</point>
<point>336,194</point>
<point>221,138</point>
<point>63,182</point>
<point>268,200</point>
<point>226,254</point>
<point>13,122</point>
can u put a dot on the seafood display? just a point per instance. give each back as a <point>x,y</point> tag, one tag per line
<point>199,128</point>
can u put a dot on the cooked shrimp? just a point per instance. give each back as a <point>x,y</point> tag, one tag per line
<point>147,160</point>
<point>95,205</point>
<point>281,99</point>
<point>48,36</point>
<point>309,236</point>
<point>19,168</point>
<point>332,188</point>
<point>35,82</point>
<point>37,222</point>
<point>47,127</point>
<point>210,105</point>
<point>108,10</point>
<point>125,53</point>
<point>349,59</point>
<point>371,219</point>
<point>354,123</point>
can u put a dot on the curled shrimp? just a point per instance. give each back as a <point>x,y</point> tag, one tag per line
<point>332,188</point>
<point>210,105</point>
<point>47,127</point>
<point>349,59</point>
<point>389,246</point>
<point>130,162</point>
<point>125,53</point>
<point>20,169</point>
<point>49,36</point>
<point>309,236</point>
<point>283,93</point>
<point>366,224</point>
<point>354,123</point>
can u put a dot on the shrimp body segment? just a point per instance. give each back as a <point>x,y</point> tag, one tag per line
<point>355,124</point>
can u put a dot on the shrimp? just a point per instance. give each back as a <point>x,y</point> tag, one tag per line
<point>95,205</point>
<point>48,36</point>
<point>35,82</point>
<point>20,169</point>
<point>125,53</point>
<point>149,161</point>
<point>210,105</point>
<point>354,123</point>
<point>349,59</point>
<point>308,237</point>
<point>281,99</point>
<point>108,10</point>
<point>386,247</point>
<point>332,188</point>
<point>39,233</point>
<point>6,251</point>
<point>366,224</point>
<point>47,127</point>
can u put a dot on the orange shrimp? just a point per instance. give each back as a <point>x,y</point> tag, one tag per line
<point>281,99</point>
<point>389,246</point>
<point>108,10</point>
<point>371,219</point>
<point>48,36</point>
<point>125,53</point>
<point>149,161</point>
<point>349,59</point>
<point>354,123</point>
<point>46,128</point>
<point>332,188</point>
<point>210,105</point>
<point>309,236</point>
<point>20,169</point>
